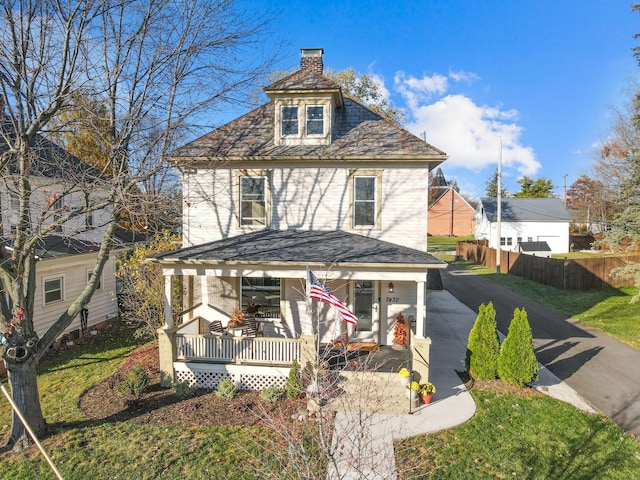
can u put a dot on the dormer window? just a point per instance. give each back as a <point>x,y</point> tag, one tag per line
<point>289,121</point>
<point>315,120</point>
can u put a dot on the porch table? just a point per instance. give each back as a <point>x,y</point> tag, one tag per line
<point>235,331</point>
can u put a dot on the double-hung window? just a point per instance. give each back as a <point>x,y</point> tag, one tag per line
<point>289,121</point>
<point>57,213</point>
<point>253,209</point>
<point>53,289</point>
<point>364,201</point>
<point>315,120</point>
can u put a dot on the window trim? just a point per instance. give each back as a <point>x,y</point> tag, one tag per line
<point>265,175</point>
<point>99,283</point>
<point>377,175</point>
<point>283,119</point>
<point>49,278</point>
<point>307,120</point>
<point>243,286</point>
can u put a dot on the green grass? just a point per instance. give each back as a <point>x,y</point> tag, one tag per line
<point>523,436</point>
<point>609,310</point>
<point>515,436</point>
<point>82,448</point>
<point>444,244</point>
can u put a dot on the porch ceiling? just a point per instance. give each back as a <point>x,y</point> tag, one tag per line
<point>295,249</point>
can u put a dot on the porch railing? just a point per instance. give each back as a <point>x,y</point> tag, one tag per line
<point>258,350</point>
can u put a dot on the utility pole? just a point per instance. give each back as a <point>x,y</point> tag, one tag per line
<point>499,209</point>
<point>564,201</point>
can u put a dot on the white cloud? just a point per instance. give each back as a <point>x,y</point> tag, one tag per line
<point>469,133</point>
<point>379,81</point>
<point>462,76</point>
<point>416,90</point>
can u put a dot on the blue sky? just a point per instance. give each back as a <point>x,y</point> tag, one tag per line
<point>541,76</point>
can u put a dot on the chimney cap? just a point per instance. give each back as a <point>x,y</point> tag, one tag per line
<point>312,52</point>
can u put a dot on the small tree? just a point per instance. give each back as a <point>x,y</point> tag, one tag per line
<point>483,347</point>
<point>141,294</point>
<point>517,363</point>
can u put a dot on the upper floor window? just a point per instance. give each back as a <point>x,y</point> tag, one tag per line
<point>289,120</point>
<point>315,120</point>
<point>53,289</point>
<point>253,209</point>
<point>57,213</point>
<point>364,201</point>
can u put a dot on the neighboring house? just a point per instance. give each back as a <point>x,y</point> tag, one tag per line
<point>311,179</point>
<point>524,220</point>
<point>449,213</point>
<point>67,255</point>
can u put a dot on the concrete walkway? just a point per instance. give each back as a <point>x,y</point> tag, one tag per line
<point>375,412</point>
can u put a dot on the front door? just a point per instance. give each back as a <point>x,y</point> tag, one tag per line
<point>366,308</point>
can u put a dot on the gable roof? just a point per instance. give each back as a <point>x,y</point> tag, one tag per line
<point>526,210</point>
<point>302,248</point>
<point>50,159</point>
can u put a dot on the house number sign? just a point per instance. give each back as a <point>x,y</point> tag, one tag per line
<point>393,300</point>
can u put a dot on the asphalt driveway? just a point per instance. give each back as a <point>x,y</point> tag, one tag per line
<point>604,371</point>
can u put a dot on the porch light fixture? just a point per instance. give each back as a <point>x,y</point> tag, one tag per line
<point>390,287</point>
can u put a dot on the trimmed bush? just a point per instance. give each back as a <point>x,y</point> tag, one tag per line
<point>184,390</point>
<point>483,347</point>
<point>271,394</point>
<point>294,387</point>
<point>517,363</point>
<point>226,388</point>
<point>135,383</point>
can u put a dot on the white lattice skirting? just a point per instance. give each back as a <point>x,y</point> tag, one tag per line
<point>246,377</point>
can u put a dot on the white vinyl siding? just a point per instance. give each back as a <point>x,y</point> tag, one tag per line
<point>308,199</point>
<point>102,306</point>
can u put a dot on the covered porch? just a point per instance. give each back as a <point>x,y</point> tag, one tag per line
<point>261,277</point>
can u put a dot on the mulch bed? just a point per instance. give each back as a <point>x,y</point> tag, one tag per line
<point>160,406</point>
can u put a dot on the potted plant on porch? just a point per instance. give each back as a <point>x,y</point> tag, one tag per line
<point>426,392</point>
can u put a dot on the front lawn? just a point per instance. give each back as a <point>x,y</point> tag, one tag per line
<point>523,435</point>
<point>519,434</point>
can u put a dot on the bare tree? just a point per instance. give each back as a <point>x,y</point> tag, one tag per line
<point>157,67</point>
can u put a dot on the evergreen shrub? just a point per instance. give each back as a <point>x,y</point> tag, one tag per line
<point>483,346</point>
<point>517,363</point>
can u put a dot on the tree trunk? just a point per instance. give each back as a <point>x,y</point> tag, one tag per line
<point>24,390</point>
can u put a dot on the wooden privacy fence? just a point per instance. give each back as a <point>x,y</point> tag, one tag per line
<point>567,274</point>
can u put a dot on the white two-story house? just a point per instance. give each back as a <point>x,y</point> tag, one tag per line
<point>310,180</point>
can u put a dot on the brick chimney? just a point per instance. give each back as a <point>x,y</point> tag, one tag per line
<point>312,59</point>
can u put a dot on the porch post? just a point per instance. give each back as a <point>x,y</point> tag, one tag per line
<point>168,319</point>
<point>420,311</point>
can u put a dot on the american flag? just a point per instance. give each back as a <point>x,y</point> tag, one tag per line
<point>318,291</point>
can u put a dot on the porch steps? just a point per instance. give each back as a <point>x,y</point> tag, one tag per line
<point>370,392</point>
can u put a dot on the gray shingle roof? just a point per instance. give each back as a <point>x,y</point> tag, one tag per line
<point>534,246</point>
<point>356,131</point>
<point>303,80</point>
<point>526,210</point>
<point>303,247</point>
